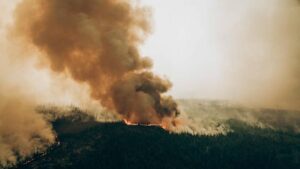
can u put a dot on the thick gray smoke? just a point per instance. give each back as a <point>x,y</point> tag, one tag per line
<point>23,131</point>
<point>96,42</point>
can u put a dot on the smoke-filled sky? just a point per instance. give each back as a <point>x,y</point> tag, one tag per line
<point>246,51</point>
<point>242,50</point>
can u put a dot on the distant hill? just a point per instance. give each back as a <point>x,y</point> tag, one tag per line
<point>214,114</point>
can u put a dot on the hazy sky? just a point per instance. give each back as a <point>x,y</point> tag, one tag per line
<point>233,49</point>
<point>246,50</point>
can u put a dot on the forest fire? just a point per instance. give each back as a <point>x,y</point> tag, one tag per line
<point>129,123</point>
<point>132,123</point>
<point>167,123</point>
<point>107,58</point>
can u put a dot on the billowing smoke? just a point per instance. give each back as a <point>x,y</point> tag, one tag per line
<point>97,42</point>
<point>23,132</point>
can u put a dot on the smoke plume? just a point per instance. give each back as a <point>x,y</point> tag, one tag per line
<point>23,132</point>
<point>97,42</point>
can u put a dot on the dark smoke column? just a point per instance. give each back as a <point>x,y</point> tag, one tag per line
<point>96,42</point>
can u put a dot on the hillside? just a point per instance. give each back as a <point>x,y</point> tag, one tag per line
<point>85,143</point>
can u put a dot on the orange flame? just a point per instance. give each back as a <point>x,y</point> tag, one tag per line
<point>166,124</point>
<point>129,123</point>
